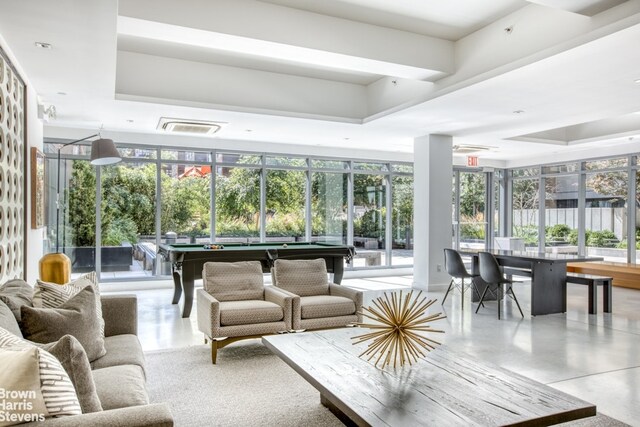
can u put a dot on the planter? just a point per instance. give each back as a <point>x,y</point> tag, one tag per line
<point>114,258</point>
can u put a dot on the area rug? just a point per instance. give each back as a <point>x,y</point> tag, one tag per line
<point>249,386</point>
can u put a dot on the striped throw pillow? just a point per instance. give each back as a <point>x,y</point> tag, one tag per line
<point>53,385</point>
<point>53,295</point>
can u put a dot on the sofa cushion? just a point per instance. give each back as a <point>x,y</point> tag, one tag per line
<point>121,386</point>
<point>121,350</point>
<point>315,307</point>
<point>8,320</point>
<point>16,293</point>
<point>233,281</point>
<point>301,277</point>
<point>75,317</point>
<point>248,312</point>
<point>53,295</point>
<point>51,385</point>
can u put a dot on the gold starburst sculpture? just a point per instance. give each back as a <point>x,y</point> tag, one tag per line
<point>400,323</point>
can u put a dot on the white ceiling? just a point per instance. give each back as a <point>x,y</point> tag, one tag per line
<point>341,74</point>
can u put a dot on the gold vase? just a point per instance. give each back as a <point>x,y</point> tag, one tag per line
<point>55,268</point>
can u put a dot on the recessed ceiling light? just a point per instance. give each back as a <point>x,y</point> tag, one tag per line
<point>248,130</point>
<point>518,112</point>
<point>129,120</point>
<point>62,93</point>
<point>346,139</point>
<point>43,45</point>
<point>637,81</point>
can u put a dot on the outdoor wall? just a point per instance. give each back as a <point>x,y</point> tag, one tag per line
<point>596,219</point>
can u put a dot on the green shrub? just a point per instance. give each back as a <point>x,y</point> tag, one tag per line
<point>527,232</point>
<point>602,239</point>
<point>290,225</point>
<point>118,231</point>
<point>558,232</point>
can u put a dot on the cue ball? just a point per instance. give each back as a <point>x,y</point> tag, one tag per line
<point>284,246</point>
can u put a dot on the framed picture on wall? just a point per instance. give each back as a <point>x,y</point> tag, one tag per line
<point>37,188</point>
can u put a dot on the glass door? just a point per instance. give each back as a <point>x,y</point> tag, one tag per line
<point>470,195</point>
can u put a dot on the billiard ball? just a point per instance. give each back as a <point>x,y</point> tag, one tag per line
<point>284,246</point>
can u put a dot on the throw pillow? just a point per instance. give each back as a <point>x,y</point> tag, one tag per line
<point>75,362</point>
<point>43,387</point>
<point>53,295</point>
<point>75,317</point>
<point>16,293</point>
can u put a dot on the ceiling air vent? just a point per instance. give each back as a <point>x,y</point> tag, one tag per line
<point>198,127</point>
<point>468,149</point>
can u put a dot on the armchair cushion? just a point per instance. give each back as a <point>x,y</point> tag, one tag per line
<point>320,306</point>
<point>234,281</point>
<point>248,312</point>
<point>301,277</point>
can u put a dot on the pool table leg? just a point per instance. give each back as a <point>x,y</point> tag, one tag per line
<point>338,270</point>
<point>188,277</point>
<point>177,284</point>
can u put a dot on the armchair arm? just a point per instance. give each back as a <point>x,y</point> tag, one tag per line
<point>296,314</point>
<point>120,314</point>
<point>208,313</point>
<point>284,299</point>
<point>343,291</point>
<point>156,415</point>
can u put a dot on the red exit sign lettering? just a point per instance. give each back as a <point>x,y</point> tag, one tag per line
<point>472,161</point>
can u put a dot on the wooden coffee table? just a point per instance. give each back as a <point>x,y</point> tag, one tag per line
<point>445,389</point>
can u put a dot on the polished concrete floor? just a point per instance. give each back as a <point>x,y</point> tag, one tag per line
<point>594,357</point>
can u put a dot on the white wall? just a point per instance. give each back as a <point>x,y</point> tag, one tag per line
<point>34,134</point>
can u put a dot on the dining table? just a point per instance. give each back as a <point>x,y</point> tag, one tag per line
<point>548,272</point>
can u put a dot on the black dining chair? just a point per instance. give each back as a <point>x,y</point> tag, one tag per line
<point>456,269</point>
<point>492,274</point>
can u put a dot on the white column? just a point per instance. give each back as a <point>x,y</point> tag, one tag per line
<point>432,171</point>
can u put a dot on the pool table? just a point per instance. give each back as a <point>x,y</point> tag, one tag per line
<point>187,260</point>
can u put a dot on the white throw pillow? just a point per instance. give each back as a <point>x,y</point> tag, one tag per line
<point>53,295</point>
<point>33,383</point>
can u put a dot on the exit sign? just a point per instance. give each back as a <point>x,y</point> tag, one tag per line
<point>472,161</point>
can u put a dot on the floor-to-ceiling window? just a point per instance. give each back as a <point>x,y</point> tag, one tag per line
<point>127,219</point>
<point>286,183</point>
<point>369,213</point>
<point>525,205</point>
<point>402,215</point>
<point>71,229</point>
<point>606,208</point>
<point>329,201</point>
<point>164,195</point>
<point>560,206</point>
<point>237,198</point>
<point>472,210</point>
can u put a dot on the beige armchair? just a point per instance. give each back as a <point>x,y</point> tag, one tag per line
<point>234,304</point>
<point>320,304</point>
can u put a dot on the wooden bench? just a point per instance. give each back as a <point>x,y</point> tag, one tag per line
<point>624,274</point>
<point>593,282</point>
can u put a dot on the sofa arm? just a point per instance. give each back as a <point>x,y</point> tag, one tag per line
<point>283,299</point>
<point>156,415</point>
<point>208,313</point>
<point>120,314</point>
<point>343,291</point>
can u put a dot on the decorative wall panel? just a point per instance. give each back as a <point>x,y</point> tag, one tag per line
<point>12,181</point>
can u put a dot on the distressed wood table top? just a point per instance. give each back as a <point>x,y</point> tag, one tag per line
<point>444,389</point>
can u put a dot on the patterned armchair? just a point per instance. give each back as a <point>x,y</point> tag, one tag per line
<point>320,304</point>
<point>234,304</point>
